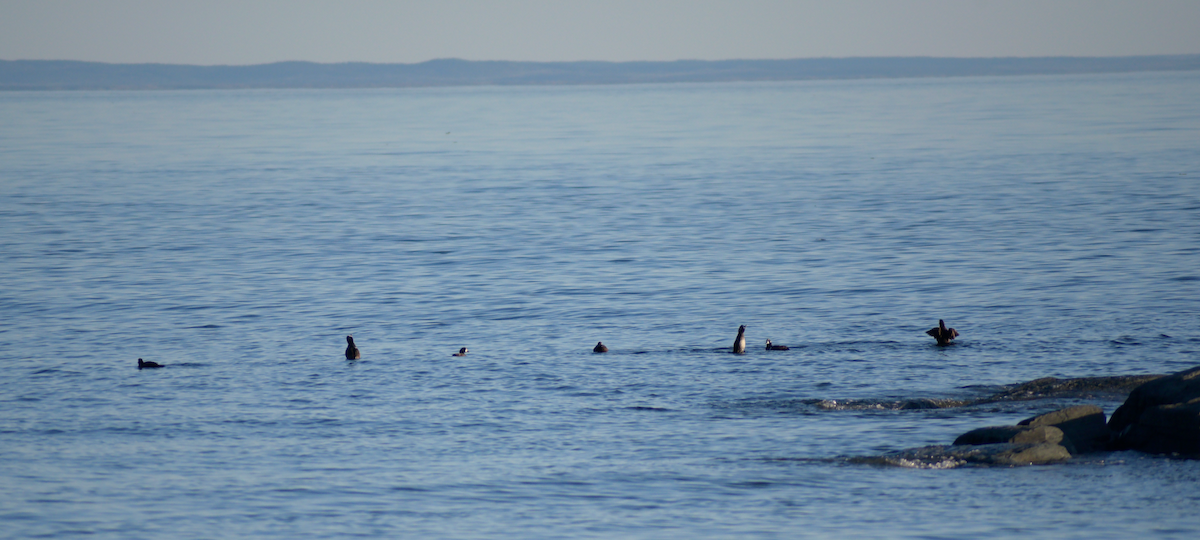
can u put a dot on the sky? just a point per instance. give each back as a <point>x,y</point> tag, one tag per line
<point>242,32</point>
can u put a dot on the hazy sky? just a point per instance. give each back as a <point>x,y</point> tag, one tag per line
<point>260,31</point>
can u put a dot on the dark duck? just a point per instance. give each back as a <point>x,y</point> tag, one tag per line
<point>461,352</point>
<point>142,364</point>
<point>599,347</point>
<point>771,347</point>
<point>351,351</point>
<point>942,334</point>
<point>739,343</point>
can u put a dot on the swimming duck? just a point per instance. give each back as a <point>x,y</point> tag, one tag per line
<point>739,344</point>
<point>461,352</point>
<point>142,364</point>
<point>776,347</point>
<point>599,347</point>
<point>351,351</point>
<point>942,334</point>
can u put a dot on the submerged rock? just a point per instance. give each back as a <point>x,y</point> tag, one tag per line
<point>1083,386</point>
<point>1048,387</point>
<point>886,405</point>
<point>1161,416</point>
<point>928,403</point>
<point>945,457</point>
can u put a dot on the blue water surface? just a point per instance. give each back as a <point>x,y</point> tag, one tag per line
<point>238,236</point>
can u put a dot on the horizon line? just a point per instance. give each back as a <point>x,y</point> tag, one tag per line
<point>457,59</point>
<point>446,72</point>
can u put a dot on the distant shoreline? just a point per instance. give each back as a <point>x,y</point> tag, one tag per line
<point>26,75</point>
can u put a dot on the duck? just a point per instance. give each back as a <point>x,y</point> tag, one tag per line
<point>739,344</point>
<point>776,347</point>
<point>142,364</point>
<point>351,351</point>
<point>942,334</point>
<point>599,347</point>
<point>461,352</point>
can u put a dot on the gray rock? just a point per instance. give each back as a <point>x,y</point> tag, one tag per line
<point>1080,387</point>
<point>1049,387</point>
<point>1012,434</point>
<point>1005,454</point>
<point>926,403</point>
<point>1161,416</point>
<point>1083,427</point>
<point>1165,429</point>
<point>1181,387</point>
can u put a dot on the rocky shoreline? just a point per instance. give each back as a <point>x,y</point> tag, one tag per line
<point>1160,416</point>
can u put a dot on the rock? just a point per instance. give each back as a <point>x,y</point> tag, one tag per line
<point>927,403</point>
<point>1048,387</point>
<point>1083,427</point>
<point>1167,429</point>
<point>1078,429</point>
<point>1181,387</point>
<point>1023,454</point>
<point>1081,387</point>
<point>944,457</point>
<point>1012,434</point>
<point>1161,416</point>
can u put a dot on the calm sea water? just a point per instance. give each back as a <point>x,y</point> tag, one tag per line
<point>239,236</point>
